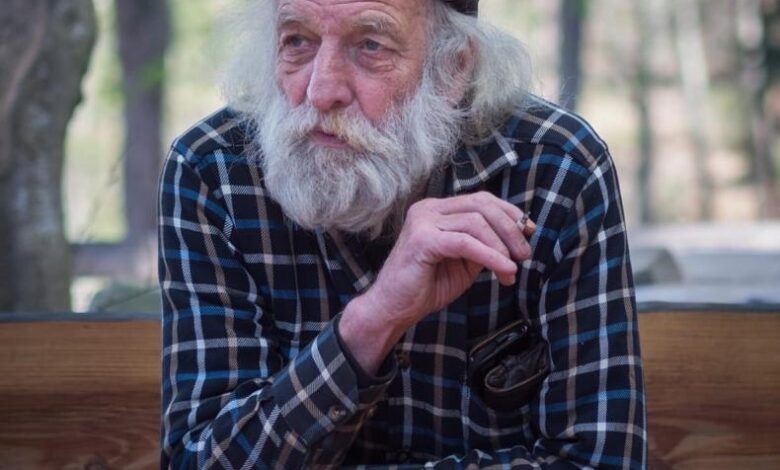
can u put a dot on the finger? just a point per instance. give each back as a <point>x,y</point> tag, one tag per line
<point>477,201</point>
<point>516,214</point>
<point>458,245</point>
<point>500,215</point>
<point>528,228</point>
<point>474,269</point>
<point>474,224</point>
<point>526,225</point>
<point>511,230</point>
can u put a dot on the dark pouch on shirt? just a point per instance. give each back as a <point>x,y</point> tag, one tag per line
<point>506,367</point>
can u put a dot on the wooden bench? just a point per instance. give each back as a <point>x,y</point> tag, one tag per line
<point>80,391</point>
<point>713,388</point>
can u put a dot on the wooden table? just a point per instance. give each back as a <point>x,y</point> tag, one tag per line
<point>79,391</point>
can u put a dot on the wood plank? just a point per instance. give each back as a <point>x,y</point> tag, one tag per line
<point>86,317</point>
<point>713,389</point>
<point>83,431</point>
<point>85,394</point>
<point>79,357</point>
<point>78,395</point>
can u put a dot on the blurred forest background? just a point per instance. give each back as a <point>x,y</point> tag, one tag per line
<point>686,93</point>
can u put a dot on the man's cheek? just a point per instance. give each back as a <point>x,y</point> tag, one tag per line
<point>294,84</point>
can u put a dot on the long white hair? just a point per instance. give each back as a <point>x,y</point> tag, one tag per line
<point>498,86</point>
<point>367,188</point>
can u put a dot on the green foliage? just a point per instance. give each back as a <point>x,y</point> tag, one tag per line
<point>105,62</point>
<point>93,183</point>
<point>153,75</point>
<point>93,190</point>
<point>92,186</point>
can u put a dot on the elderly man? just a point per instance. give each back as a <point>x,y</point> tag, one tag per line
<point>385,252</point>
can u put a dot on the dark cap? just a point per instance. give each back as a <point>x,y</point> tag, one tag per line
<point>468,7</point>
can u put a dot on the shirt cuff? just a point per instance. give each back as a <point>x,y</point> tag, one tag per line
<point>385,374</point>
<point>318,390</point>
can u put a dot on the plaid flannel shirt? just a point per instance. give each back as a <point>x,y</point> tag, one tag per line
<point>254,374</point>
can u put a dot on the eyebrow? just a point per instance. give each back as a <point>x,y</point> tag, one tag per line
<point>378,24</point>
<point>366,23</point>
<point>287,18</point>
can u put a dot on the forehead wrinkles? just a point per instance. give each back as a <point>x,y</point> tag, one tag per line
<point>379,16</point>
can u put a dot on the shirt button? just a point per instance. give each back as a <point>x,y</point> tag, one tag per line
<point>371,412</point>
<point>337,413</point>
<point>403,456</point>
<point>403,360</point>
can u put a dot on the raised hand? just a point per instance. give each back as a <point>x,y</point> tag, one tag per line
<point>443,246</point>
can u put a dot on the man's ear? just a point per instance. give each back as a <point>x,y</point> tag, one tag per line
<point>464,72</point>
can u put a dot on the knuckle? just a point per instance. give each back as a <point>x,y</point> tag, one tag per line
<point>418,235</point>
<point>476,219</point>
<point>485,197</point>
<point>460,243</point>
<point>419,207</point>
<point>509,225</point>
<point>414,212</point>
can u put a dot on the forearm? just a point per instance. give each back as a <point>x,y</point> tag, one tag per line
<point>368,340</point>
<point>231,389</point>
<point>290,419</point>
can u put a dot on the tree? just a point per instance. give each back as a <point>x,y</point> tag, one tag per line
<point>694,73</point>
<point>44,51</point>
<point>758,23</point>
<point>144,33</point>
<point>572,18</point>
<point>641,90</point>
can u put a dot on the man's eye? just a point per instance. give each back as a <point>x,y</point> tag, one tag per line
<point>294,40</point>
<point>371,45</point>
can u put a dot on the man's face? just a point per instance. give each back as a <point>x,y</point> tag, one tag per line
<point>354,56</point>
<point>357,123</point>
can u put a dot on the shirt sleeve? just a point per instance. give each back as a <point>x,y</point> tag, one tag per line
<point>591,408</point>
<point>590,411</point>
<point>230,399</point>
<point>387,370</point>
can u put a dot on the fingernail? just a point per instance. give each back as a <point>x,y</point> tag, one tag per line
<point>525,248</point>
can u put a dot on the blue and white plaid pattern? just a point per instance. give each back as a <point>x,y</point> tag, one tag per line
<point>254,374</point>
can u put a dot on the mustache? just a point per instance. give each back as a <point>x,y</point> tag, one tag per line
<point>351,127</point>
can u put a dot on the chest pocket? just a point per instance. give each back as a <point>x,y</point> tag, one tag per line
<point>491,308</point>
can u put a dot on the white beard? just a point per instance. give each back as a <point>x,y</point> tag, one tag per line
<point>362,188</point>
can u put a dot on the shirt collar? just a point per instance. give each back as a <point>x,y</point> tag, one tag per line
<point>476,164</point>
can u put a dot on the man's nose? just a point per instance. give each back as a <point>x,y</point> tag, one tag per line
<point>330,86</point>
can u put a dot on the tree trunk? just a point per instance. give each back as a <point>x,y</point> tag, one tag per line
<point>766,165</point>
<point>641,89</point>
<point>696,87</point>
<point>143,28</point>
<point>572,18</point>
<point>44,51</point>
<point>751,38</point>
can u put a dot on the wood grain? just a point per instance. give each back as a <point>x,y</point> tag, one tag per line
<point>79,395</point>
<point>713,389</point>
<point>85,394</point>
